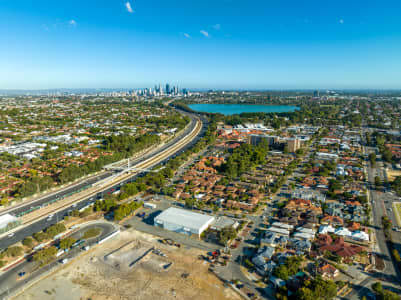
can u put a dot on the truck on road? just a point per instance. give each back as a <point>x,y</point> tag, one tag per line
<point>149,205</point>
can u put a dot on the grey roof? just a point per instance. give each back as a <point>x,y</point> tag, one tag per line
<point>266,252</point>
<point>269,237</point>
<point>277,281</point>
<point>259,261</point>
<point>223,222</point>
<point>301,244</point>
<point>184,218</point>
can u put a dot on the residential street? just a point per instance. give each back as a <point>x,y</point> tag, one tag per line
<point>380,203</point>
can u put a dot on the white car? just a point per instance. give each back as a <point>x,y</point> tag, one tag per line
<point>11,234</point>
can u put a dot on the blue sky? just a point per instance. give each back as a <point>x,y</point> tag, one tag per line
<point>228,44</point>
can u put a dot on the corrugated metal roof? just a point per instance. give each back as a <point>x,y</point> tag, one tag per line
<point>184,218</point>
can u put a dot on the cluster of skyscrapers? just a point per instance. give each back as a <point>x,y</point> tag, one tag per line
<point>159,91</point>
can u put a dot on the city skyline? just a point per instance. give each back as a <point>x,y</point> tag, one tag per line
<point>213,44</point>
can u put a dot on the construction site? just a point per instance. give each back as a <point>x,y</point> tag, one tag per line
<point>133,265</point>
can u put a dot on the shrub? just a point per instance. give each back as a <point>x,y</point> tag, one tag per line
<point>28,242</point>
<point>377,287</point>
<point>248,263</point>
<point>45,256</point>
<point>14,251</point>
<point>396,255</point>
<point>90,233</point>
<point>55,229</point>
<point>40,236</point>
<point>67,242</point>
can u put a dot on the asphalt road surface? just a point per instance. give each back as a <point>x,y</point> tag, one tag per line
<point>380,203</point>
<point>57,195</point>
<point>76,187</point>
<point>44,223</point>
<point>11,282</point>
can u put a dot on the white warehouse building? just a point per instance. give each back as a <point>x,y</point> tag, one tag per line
<point>183,221</point>
<point>8,222</point>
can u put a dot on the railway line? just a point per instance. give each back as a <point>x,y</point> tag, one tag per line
<point>92,192</point>
<point>24,208</point>
<point>37,221</point>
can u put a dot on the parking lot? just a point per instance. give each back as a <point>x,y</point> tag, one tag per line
<point>145,224</point>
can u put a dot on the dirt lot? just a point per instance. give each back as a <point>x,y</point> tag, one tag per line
<point>392,174</point>
<point>113,271</point>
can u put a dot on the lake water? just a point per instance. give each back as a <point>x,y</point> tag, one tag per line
<point>232,109</point>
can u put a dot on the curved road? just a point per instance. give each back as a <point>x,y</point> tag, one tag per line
<point>11,282</point>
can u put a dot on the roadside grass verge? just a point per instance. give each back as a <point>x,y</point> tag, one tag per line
<point>397,212</point>
<point>91,233</point>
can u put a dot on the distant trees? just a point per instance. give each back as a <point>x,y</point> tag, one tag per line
<point>126,209</point>
<point>49,233</point>
<point>34,185</point>
<point>28,242</point>
<point>372,159</point>
<point>383,294</point>
<point>281,272</point>
<point>155,181</point>
<point>327,168</point>
<point>377,287</point>
<point>317,289</point>
<point>335,185</point>
<point>227,234</point>
<point>123,146</point>
<point>14,251</point>
<point>105,205</point>
<point>40,236</point>
<point>44,256</point>
<point>55,229</point>
<point>67,242</point>
<point>289,268</point>
<point>190,203</point>
<point>243,158</point>
<point>396,184</point>
<point>381,140</point>
<point>4,201</point>
<point>128,145</point>
<point>386,222</point>
<point>378,181</point>
<point>386,154</point>
<point>174,120</point>
<point>128,190</point>
<point>396,255</point>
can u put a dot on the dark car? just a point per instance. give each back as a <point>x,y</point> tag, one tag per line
<point>141,215</point>
<point>20,274</point>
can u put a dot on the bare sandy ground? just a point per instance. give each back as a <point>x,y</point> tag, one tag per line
<point>392,174</point>
<point>90,276</point>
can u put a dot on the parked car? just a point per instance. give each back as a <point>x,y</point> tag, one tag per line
<point>21,274</point>
<point>64,261</point>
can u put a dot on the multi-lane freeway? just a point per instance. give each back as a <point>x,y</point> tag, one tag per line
<point>175,147</point>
